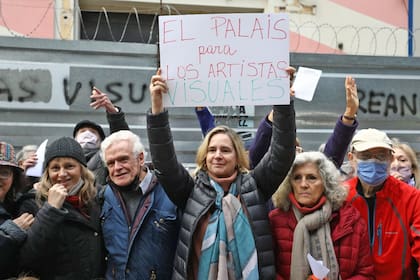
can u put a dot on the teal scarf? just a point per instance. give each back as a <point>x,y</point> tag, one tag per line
<point>228,250</point>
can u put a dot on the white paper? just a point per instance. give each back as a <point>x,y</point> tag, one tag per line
<point>317,267</point>
<point>305,83</point>
<point>36,171</point>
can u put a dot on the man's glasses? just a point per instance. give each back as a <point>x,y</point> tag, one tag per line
<point>5,172</point>
<point>383,156</point>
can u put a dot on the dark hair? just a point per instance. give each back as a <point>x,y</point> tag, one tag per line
<point>88,123</point>
<point>18,184</point>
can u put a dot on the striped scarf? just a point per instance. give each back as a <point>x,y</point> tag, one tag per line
<point>228,250</point>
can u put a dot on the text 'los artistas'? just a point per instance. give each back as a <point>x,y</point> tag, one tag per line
<point>220,69</point>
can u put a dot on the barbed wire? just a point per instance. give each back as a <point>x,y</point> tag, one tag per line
<point>36,26</point>
<point>324,37</point>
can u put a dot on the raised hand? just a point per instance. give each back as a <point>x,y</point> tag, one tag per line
<point>157,87</point>
<point>352,99</point>
<point>30,161</point>
<point>101,100</point>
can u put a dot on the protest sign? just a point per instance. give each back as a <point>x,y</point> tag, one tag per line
<point>225,59</point>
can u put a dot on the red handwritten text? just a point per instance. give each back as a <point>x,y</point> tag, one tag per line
<point>260,28</point>
<point>215,49</point>
<point>170,30</point>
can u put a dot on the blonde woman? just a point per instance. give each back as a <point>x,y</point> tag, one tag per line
<point>224,201</point>
<point>405,166</point>
<point>65,241</point>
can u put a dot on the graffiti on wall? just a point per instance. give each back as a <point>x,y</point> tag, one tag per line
<point>64,87</point>
<point>39,86</point>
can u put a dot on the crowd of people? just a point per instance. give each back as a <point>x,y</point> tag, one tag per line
<point>256,210</point>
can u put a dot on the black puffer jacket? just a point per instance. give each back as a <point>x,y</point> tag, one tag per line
<point>11,238</point>
<point>196,197</point>
<point>63,244</point>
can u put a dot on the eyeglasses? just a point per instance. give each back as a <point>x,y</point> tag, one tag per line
<point>5,173</point>
<point>383,156</point>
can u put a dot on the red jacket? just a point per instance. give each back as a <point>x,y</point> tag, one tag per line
<point>396,227</point>
<point>349,235</point>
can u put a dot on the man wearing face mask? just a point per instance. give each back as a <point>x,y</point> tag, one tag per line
<point>90,134</point>
<point>390,207</point>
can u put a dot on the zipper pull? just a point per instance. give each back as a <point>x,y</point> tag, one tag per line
<point>379,235</point>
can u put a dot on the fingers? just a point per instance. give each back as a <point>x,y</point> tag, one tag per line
<point>397,175</point>
<point>350,83</point>
<point>96,90</point>
<point>24,221</point>
<point>30,162</point>
<point>101,100</point>
<point>292,92</point>
<point>157,83</point>
<point>28,220</point>
<point>290,70</point>
<point>351,87</point>
<point>98,97</point>
<point>352,98</point>
<point>57,195</point>
<point>157,87</point>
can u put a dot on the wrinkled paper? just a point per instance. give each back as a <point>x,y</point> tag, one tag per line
<point>317,267</point>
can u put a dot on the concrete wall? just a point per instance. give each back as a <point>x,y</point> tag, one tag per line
<point>45,87</point>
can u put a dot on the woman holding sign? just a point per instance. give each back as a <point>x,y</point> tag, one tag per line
<point>224,201</point>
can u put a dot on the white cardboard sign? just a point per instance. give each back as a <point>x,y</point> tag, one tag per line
<point>225,59</point>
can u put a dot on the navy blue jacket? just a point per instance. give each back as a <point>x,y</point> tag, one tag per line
<point>335,148</point>
<point>143,249</point>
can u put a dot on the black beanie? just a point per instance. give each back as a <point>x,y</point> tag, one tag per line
<point>64,147</point>
<point>88,123</point>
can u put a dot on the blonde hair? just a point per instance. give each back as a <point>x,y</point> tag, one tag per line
<point>241,155</point>
<point>413,158</point>
<point>86,194</point>
<point>334,189</point>
<point>25,276</point>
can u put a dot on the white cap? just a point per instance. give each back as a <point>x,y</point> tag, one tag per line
<point>370,138</point>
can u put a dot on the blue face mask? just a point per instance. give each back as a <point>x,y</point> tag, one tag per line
<point>372,173</point>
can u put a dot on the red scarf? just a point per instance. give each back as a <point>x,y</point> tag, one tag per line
<point>74,200</point>
<point>306,210</point>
